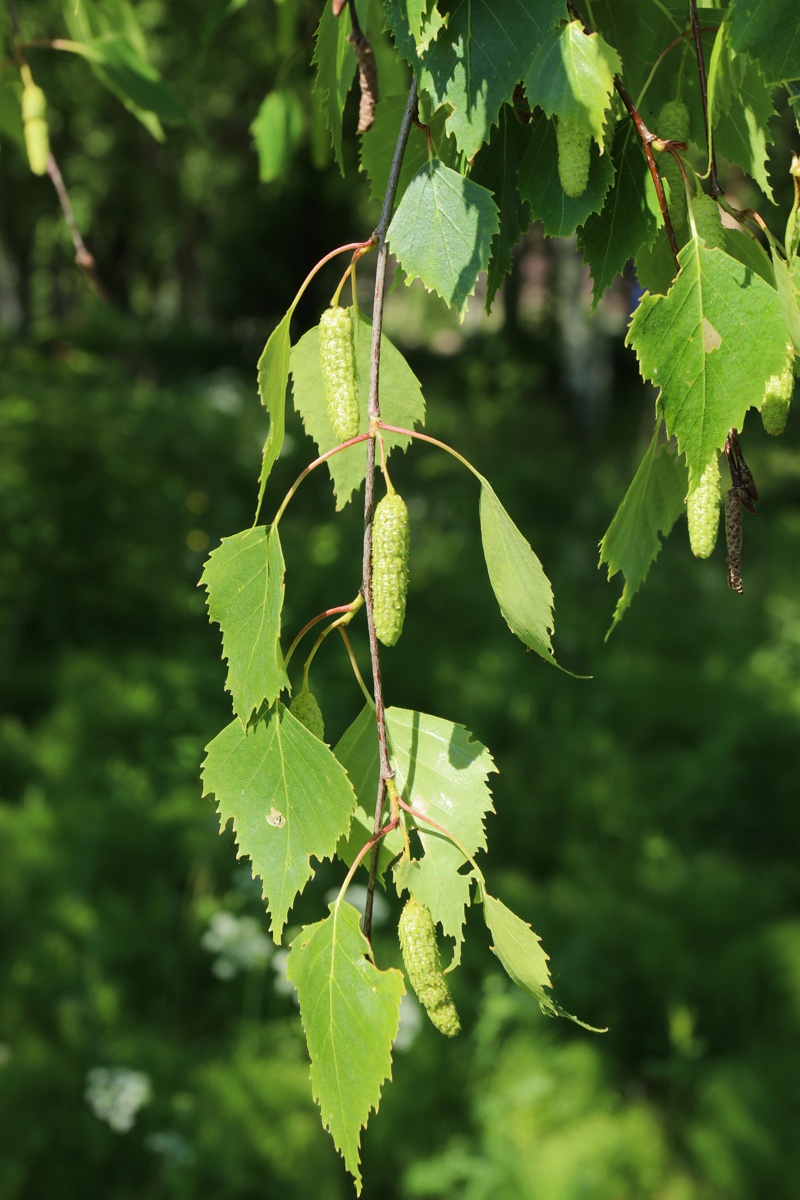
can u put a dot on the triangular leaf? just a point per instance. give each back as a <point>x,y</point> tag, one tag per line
<point>288,797</point>
<point>244,579</point>
<point>697,344</point>
<point>401,401</point>
<point>651,506</point>
<point>522,589</point>
<point>572,76</point>
<point>519,950</point>
<point>336,69</point>
<point>273,376</point>
<point>442,232</point>
<point>351,1014</point>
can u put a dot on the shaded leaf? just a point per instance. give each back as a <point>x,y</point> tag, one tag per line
<point>335,62</point>
<point>401,401</point>
<point>497,169</point>
<point>351,1014</point>
<point>539,183</point>
<point>769,33</point>
<point>244,580</point>
<point>652,505</point>
<point>475,63</point>
<point>572,76</point>
<point>442,232</point>
<point>627,220</point>
<point>288,797</point>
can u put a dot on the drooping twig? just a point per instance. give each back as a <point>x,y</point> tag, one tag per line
<point>374,413</point>
<point>645,137</point>
<point>701,71</point>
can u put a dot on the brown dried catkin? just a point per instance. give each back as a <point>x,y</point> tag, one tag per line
<point>733,535</point>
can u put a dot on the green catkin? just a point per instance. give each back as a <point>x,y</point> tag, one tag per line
<point>34,123</point>
<point>390,541</point>
<point>417,933</point>
<point>305,708</point>
<point>708,221</point>
<point>777,398</point>
<point>337,358</point>
<point>672,125</point>
<point>702,511</point>
<point>574,144</point>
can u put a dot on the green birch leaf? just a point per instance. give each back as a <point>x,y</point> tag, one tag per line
<point>440,769</point>
<point>770,34</point>
<point>357,751</point>
<point>475,63</point>
<point>627,220</point>
<point>288,797</point>
<point>335,62</point>
<point>442,232</point>
<point>710,344</point>
<point>522,589</point>
<point>788,294</point>
<point>539,183</point>
<point>639,33</point>
<point>741,120</point>
<point>276,131</point>
<point>497,168</point>
<point>750,253</point>
<point>378,146</point>
<point>652,505</point>
<point>435,881</point>
<point>118,60</point>
<point>244,580</point>
<point>520,951</point>
<point>572,76</point>
<point>401,401</point>
<point>351,1013</point>
<point>273,376</point>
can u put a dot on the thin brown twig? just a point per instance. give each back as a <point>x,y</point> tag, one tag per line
<point>374,412</point>
<point>83,257</point>
<point>713,180</point>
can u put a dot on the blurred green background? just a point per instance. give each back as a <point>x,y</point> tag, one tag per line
<point>646,820</point>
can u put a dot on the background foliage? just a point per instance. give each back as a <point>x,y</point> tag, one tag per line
<point>647,818</point>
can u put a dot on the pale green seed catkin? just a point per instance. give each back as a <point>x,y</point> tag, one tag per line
<point>390,544</point>
<point>34,123</point>
<point>337,359</point>
<point>708,221</point>
<point>574,145</point>
<point>777,398</point>
<point>306,709</point>
<point>702,511</point>
<point>672,125</point>
<point>417,933</point>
